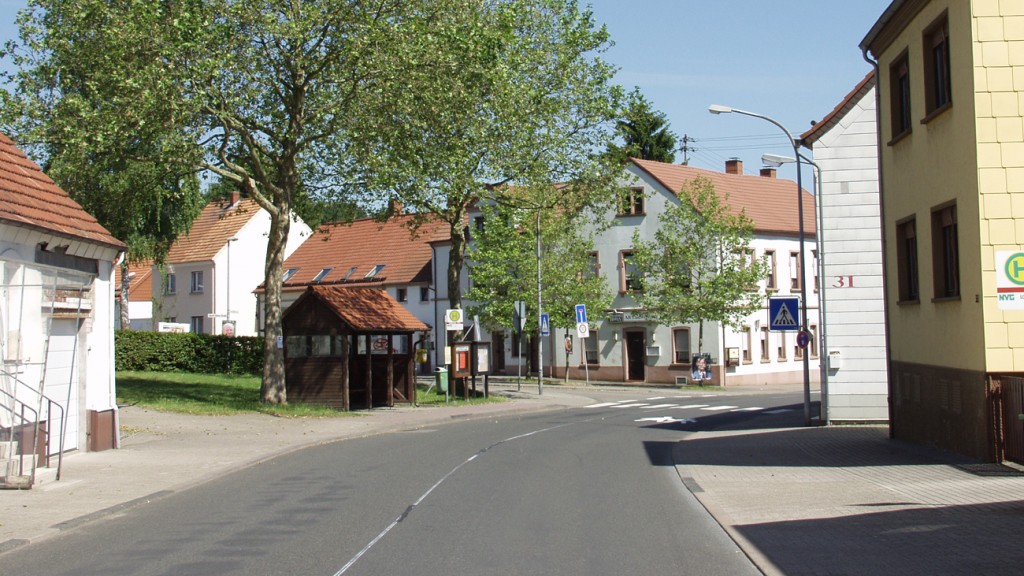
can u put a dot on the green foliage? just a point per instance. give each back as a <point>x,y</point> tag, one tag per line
<point>644,133</point>
<point>503,261</point>
<point>699,266</point>
<point>187,352</point>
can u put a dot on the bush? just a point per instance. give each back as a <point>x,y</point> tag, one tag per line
<point>187,352</point>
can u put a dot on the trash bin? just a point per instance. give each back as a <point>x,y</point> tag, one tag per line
<point>441,379</point>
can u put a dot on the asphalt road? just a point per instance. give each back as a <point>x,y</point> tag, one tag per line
<point>589,491</point>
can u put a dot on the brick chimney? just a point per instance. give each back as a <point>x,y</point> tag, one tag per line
<point>768,172</point>
<point>734,166</point>
<point>235,197</point>
<point>395,207</point>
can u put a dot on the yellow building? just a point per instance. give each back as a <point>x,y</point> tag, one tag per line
<point>951,139</point>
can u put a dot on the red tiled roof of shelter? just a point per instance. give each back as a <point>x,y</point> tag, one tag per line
<point>367,308</point>
<point>140,286</point>
<point>769,202</point>
<point>811,136</point>
<point>216,224</point>
<point>360,246</point>
<point>28,197</point>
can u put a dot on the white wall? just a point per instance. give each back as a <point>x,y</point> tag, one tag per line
<point>855,321</point>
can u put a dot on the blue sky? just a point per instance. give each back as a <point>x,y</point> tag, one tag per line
<point>792,60</point>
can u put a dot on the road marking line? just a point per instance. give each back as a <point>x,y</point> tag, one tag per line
<point>657,398</point>
<point>751,409</point>
<point>635,405</point>
<point>717,408</point>
<point>660,420</point>
<point>602,405</point>
<point>692,406</point>
<point>660,406</point>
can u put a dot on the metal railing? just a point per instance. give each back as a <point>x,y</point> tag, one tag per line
<point>24,418</point>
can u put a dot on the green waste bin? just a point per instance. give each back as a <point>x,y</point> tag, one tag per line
<point>441,379</point>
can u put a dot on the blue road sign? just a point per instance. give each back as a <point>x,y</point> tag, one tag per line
<point>784,313</point>
<point>581,314</point>
<point>545,325</point>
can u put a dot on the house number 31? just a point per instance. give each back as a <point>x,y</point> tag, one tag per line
<point>843,282</point>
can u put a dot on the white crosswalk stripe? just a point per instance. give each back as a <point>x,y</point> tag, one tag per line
<point>659,406</point>
<point>666,406</point>
<point>717,408</point>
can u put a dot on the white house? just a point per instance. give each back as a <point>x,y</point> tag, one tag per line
<point>212,271</point>
<point>140,297</point>
<point>56,320</point>
<point>845,148</point>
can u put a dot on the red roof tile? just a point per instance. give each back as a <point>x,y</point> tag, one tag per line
<point>364,244</point>
<point>217,223</point>
<point>365,309</point>
<point>811,136</point>
<point>29,198</point>
<point>769,202</point>
<point>140,286</point>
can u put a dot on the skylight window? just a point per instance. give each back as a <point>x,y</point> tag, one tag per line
<point>376,270</point>
<point>350,272</point>
<point>322,274</point>
<point>288,274</point>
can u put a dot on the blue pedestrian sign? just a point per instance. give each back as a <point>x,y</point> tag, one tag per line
<point>545,325</point>
<point>784,313</point>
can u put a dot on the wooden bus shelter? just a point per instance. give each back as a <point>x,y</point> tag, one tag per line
<point>348,347</point>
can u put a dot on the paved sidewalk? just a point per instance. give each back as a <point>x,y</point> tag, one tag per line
<point>837,500</point>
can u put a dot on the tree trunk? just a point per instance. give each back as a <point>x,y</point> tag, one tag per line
<point>123,298</point>
<point>272,390</point>
<point>456,260</point>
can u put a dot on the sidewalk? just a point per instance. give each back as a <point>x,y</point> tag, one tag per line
<point>837,500</point>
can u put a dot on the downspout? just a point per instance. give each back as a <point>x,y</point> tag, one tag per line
<point>881,218</point>
<point>112,376</point>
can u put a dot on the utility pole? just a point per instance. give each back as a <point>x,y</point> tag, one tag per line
<point>686,149</point>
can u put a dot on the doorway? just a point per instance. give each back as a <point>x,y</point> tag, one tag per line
<point>636,345</point>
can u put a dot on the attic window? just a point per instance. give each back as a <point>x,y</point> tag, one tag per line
<point>376,270</point>
<point>350,272</point>
<point>322,274</point>
<point>287,275</point>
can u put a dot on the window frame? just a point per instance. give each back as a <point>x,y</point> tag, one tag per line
<point>900,106</point>
<point>687,358</point>
<point>772,280</point>
<point>402,294</point>
<point>197,325</point>
<point>195,283</point>
<point>796,279</point>
<point>626,286</point>
<point>170,283</point>
<point>766,355</point>
<point>945,252</point>
<point>746,342</point>
<point>632,202</point>
<point>424,293</point>
<point>938,86</point>
<point>321,275</point>
<point>908,280</point>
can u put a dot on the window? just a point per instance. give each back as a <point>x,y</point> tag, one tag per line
<point>632,202</point>
<point>630,280</point>
<point>424,294</point>
<point>938,89</point>
<point>288,274</point>
<point>945,252</point>
<point>478,223</point>
<point>899,97</point>
<point>681,346</point>
<point>322,274</point>
<point>765,353</point>
<point>798,352</point>
<point>813,344</point>
<point>745,342</point>
<point>782,347</point>
<point>402,294</point>
<point>593,265</point>
<point>197,324</point>
<point>769,256</point>
<point>794,271</point>
<point>590,346</point>
<point>814,262</point>
<point>196,284</point>
<point>170,283</point>
<point>350,272</point>
<point>376,270</point>
<point>906,261</point>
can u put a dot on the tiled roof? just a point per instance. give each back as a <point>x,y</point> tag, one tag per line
<point>29,198</point>
<point>140,286</point>
<point>770,202</point>
<point>364,244</point>
<point>365,308</point>
<point>217,223</point>
<point>811,136</point>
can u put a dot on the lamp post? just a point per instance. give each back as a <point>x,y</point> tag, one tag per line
<point>719,109</point>
<point>775,160</point>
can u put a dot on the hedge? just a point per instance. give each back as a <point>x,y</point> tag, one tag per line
<point>187,352</point>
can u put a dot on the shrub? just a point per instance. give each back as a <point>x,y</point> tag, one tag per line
<point>187,352</point>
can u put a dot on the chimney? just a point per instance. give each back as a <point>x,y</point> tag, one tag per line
<point>395,207</point>
<point>734,166</point>
<point>768,172</point>
<point>235,197</point>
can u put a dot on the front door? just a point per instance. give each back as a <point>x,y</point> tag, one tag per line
<point>636,347</point>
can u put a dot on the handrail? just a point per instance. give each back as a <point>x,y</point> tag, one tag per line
<point>50,404</point>
<point>21,422</point>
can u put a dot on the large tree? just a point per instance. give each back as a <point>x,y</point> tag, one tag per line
<point>518,94</point>
<point>699,266</point>
<point>643,132</point>
<point>284,84</point>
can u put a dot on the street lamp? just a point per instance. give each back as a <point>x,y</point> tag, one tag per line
<point>775,160</point>
<point>795,143</point>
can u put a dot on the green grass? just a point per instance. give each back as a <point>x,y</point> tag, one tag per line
<point>433,398</point>
<point>207,394</point>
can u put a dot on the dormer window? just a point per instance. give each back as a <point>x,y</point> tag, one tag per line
<point>322,274</point>
<point>376,270</point>
<point>288,274</point>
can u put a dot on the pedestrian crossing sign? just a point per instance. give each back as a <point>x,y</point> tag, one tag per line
<point>784,313</point>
